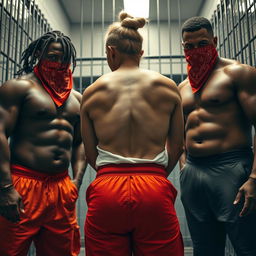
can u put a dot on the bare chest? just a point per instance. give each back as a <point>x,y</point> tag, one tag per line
<point>39,106</point>
<point>216,94</point>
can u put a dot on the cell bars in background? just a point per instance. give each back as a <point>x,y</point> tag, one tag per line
<point>21,23</point>
<point>234,23</point>
<point>162,40</point>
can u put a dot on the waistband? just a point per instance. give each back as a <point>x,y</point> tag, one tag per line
<point>126,169</point>
<point>29,173</point>
<point>226,157</point>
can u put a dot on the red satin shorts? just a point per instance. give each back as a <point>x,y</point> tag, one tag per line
<point>49,219</point>
<point>131,211</point>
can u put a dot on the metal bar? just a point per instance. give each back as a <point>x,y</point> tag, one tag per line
<point>240,31</point>
<point>81,44</point>
<point>148,34</point>
<point>218,29</point>
<point>13,21</point>
<point>99,64</point>
<point>37,22</point>
<point>22,26</point>
<point>28,23</point>
<point>33,21</point>
<point>8,45</point>
<point>2,13</point>
<point>253,5</point>
<point>223,28</point>
<point>248,34</point>
<point>232,24</point>
<point>146,57</point>
<point>169,29</point>
<point>159,36</point>
<point>5,27</point>
<point>214,23</point>
<point>227,27</point>
<point>17,36</point>
<point>92,29</point>
<point>40,22</point>
<point>102,32</point>
<point>181,59</point>
<point>113,9</point>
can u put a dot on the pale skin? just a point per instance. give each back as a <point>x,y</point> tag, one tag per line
<point>132,112</point>
<point>42,136</point>
<point>219,118</point>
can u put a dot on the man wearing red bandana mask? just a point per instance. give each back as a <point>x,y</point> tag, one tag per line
<point>39,112</point>
<point>218,169</point>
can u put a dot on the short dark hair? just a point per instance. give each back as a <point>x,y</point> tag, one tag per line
<point>29,55</point>
<point>196,23</point>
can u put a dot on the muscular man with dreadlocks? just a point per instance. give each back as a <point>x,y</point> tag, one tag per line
<point>39,112</point>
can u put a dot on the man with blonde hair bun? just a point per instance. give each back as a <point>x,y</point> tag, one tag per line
<point>132,126</point>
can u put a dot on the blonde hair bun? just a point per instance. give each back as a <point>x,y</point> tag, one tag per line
<point>128,21</point>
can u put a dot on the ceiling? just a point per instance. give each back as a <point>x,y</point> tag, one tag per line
<point>111,8</point>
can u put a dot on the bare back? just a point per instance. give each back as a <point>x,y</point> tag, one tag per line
<point>131,111</point>
<point>216,120</point>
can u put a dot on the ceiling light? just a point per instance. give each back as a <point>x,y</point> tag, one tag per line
<point>137,8</point>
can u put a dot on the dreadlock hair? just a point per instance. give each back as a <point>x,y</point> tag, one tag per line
<point>196,23</point>
<point>30,55</point>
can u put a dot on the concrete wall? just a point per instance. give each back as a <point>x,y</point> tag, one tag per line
<point>209,7</point>
<point>55,15</point>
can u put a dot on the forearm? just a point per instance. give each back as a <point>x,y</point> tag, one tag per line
<point>5,174</point>
<point>78,163</point>
<point>174,155</point>
<point>253,173</point>
<point>182,160</point>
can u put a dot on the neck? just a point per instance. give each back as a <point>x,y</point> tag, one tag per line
<point>129,64</point>
<point>219,63</point>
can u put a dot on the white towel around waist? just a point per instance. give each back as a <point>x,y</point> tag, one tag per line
<point>106,157</point>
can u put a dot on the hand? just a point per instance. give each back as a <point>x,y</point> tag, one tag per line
<point>248,190</point>
<point>11,205</point>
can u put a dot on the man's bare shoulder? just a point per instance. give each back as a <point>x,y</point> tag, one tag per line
<point>183,84</point>
<point>100,83</point>
<point>238,69</point>
<point>159,79</point>
<point>240,73</point>
<point>77,95</point>
<point>17,86</point>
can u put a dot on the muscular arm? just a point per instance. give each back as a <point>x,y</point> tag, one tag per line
<point>183,157</point>
<point>182,160</point>
<point>245,80</point>
<point>175,140</point>
<point>11,95</point>
<point>78,160</point>
<point>88,133</point>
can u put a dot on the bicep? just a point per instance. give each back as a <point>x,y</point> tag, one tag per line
<point>9,111</point>
<point>247,95</point>
<point>88,135</point>
<point>176,127</point>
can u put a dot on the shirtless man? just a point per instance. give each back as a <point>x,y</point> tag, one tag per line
<point>39,112</point>
<point>127,116</point>
<point>218,176</point>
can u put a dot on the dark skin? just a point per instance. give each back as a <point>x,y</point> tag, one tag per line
<point>132,112</point>
<point>220,116</point>
<point>43,137</point>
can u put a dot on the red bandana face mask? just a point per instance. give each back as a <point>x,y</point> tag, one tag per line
<point>200,65</point>
<point>56,78</point>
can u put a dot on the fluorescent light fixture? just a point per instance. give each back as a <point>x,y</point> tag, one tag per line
<point>137,8</point>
